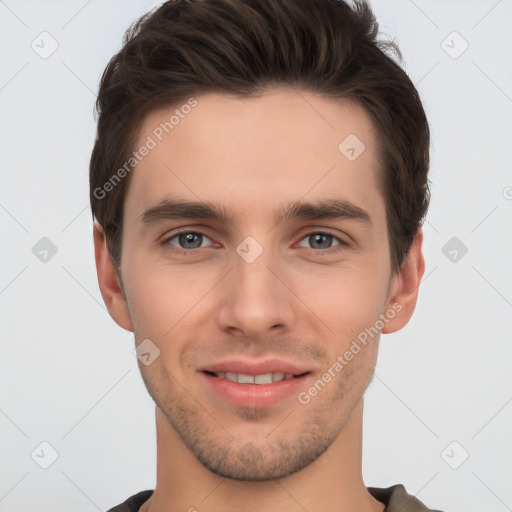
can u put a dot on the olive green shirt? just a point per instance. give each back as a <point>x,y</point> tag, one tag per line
<point>395,498</point>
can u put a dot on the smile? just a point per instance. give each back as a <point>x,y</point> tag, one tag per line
<point>264,378</point>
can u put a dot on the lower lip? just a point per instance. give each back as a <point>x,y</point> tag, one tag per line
<point>255,396</point>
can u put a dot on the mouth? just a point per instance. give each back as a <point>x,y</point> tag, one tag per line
<point>254,384</point>
<point>260,379</point>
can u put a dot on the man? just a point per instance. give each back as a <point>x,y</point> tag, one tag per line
<point>258,184</point>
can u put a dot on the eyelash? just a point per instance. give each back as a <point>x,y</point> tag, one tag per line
<point>191,252</point>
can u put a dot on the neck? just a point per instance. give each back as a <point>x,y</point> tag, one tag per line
<point>333,482</point>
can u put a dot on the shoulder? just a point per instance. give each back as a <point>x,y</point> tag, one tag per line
<point>397,499</point>
<point>133,503</point>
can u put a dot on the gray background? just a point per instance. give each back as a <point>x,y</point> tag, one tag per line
<point>442,389</point>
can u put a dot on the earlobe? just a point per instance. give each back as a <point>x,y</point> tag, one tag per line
<point>405,287</point>
<point>108,281</point>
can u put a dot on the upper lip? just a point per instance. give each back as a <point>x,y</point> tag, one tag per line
<point>248,367</point>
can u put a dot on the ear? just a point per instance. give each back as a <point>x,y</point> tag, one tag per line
<point>404,287</point>
<point>108,281</point>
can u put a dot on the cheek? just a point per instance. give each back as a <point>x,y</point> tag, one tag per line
<point>339,300</point>
<point>347,299</point>
<point>162,299</point>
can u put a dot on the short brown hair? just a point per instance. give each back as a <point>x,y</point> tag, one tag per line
<point>244,47</point>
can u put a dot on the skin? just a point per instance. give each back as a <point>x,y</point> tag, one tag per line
<point>254,156</point>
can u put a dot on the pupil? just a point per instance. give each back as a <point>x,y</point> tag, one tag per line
<point>318,237</point>
<point>188,237</point>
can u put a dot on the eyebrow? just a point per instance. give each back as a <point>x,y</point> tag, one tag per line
<point>170,208</point>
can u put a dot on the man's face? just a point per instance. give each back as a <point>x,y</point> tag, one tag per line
<point>249,289</point>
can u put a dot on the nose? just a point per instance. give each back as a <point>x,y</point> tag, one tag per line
<point>256,300</point>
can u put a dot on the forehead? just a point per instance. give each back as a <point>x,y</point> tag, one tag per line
<point>250,152</point>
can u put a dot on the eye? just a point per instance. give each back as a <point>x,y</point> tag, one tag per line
<point>323,242</point>
<point>188,240</point>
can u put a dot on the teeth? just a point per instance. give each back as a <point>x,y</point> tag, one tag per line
<point>245,379</point>
<point>265,378</point>
<point>277,376</point>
